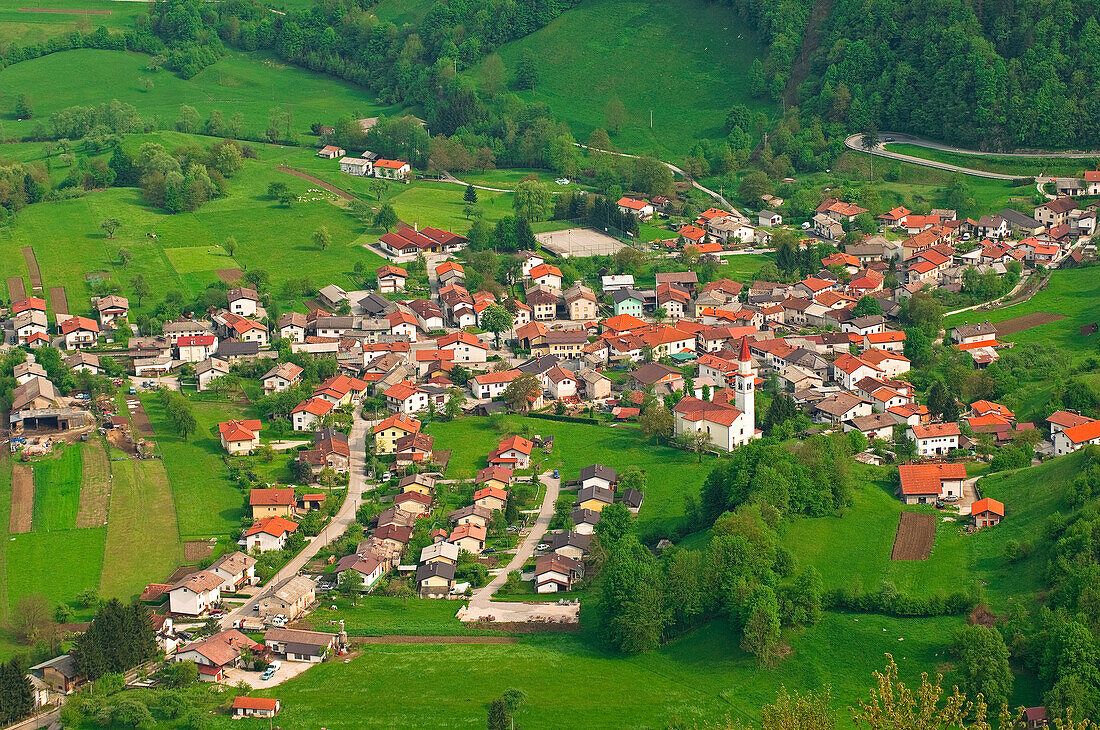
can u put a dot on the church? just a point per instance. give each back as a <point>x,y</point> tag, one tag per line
<point>729,425</point>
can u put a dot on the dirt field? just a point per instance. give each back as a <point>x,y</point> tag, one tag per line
<point>142,426</point>
<point>22,498</point>
<point>914,537</point>
<point>196,550</point>
<point>95,485</point>
<point>229,276</point>
<point>16,291</point>
<point>58,301</point>
<point>32,267</point>
<point>579,242</point>
<point>69,12</point>
<point>318,182</point>
<point>1026,322</point>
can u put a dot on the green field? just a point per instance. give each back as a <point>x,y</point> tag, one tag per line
<point>207,503</point>
<point>25,28</point>
<point>1074,293</point>
<point>1006,165</point>
<point>671,473</point>
<point>57,491</point>
<point>376,615</point>
<point>639,51</point>
<point>187,259</point>
<point>249,83</point>
<point>700,678</point>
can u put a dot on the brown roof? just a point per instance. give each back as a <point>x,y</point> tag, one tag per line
<point>199,582</point>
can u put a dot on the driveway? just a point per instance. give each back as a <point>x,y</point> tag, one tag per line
<point>481,606</point>
<point>357,485</point>
<point>968,497</point>
<point>288,670</point>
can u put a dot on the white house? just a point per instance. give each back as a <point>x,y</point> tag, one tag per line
<point>356,166</point>
<point>268,533</point>
<point>935,439</point>
<point>195,594</point>
<point>392,169</point>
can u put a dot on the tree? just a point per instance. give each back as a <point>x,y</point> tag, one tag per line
<point>110,225</point>
<point>470,196</point>
<point>531,200</point>
<point>351,585</point>
<point>386,217</point>
<point>492,75</point>
<point>499,719</point>
<point>189,121</point>
<point>32,620</point>
<point>868,141</point>
<point>632,614</point>
<point>810,711</point>
<point>614,115</point>
<point>496,319</point>
<point>322,238</point>
<point>125,256</point>
<point>762,628</point>
<point>657,421</point>
<point>121,637</point>
<point>527,73</point>
<point>517,392</point>
<point>752,186</point>
<point>230,245</point>
<point>287,198</point>
<point>16,692</point>
<point>275,190</point>
<point>699,441</point>
<point>983,664</point>
<point>23,107</point>
<point>867,305</point>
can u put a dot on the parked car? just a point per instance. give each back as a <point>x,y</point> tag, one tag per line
<point>268,674</point>
<point>542,546</point>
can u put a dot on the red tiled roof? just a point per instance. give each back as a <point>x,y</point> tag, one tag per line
<point>281,497</point>
<point>274,526</point>
<point>920,479</point>
<point>240,702</point>
<point>401,421</point>
<point>1081,433</point>
<point>935,430</point>
<point>987,505</point>
<point>239,430</point>
<point>72,324</point>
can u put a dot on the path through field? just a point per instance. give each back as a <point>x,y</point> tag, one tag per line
<point>16,291</point>
<point>32,267</point>
<point>22,499</point>
<point>141,507</point>
<point>95,485</point>
<point>317,181</point>
<point>59,303</point>
<point>913,541</point>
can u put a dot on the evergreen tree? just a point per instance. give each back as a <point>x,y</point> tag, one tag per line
<point>470,196</point>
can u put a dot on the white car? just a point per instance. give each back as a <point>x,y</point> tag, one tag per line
<point>806,226</point>
<point>542,546</point>
<point>562,181</point>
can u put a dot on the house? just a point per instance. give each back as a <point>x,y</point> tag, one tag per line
<point>243,301</point>
<point>292,326</point>
<point>283,376</point>
<point>329,452</point>
<point>584,520</point>
<point>111,308</point>
<point>580,301</point>
<point>862,326</point>
<point>967,334</point>
<point>415,503</point>
<point>840,407</point>
<point>389,430</point>
<point>641,209</point>
<point>244,706</point>
<point>278,501</point>
<point>565,344</point>
<point>873,425</point>
<point>546,275</point>
<point>935,439</point>
<point>79,332</point>
<point>768,219</point>
<point>467,348</point>
<point>598,475</point>
<point>240,437</point>
<point>1068,440</point>
<point>596,385</point>
<point>392,170</point>
<point>290,598</point>
<point>494,476</point>
<point>1054,212</point>
<point>1036,717</point>
<point>595,498</point>
<point>468,538</point>
<point>490,385</point>
<point>563,383</point>
<point>927,483</point>
<point>31,328</point>
<point>556,573</point>
<point>1061,420</point>
<point>884,340</point>
<point>195,594</point>
<point>847,370</point>
<point>513,452</point>
<point>356,166</point>
<point>268,533</point>
<point>331,152</point>
<point>209,370</point>
<point>628,302</point>
<point>217,653</point>
<point>60,674</point>
<point>491,497</point>
<point>987,512</point>
<point>309,412</point>
<point>471,514</point>
<point>236,570</point>
<point>827,228</point>
<point>84,362</point>
<point>441,552</point>
<point>435,579</point>
<point>298,645</point>
<point>993,227</point>
<point>406,397</point>
<point>569,544</point>
<point>417,483</point>
<point>892,364</point>
<point>391,279</point>
<point>615,282</point>
<point>369,568</point>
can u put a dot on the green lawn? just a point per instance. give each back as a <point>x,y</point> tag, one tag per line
<point>698,679</point>
<point>187,259</point>
<point>26,28</point>
<point>383,616</point>
<point>671,473</point>
<point>1022,166</point>
<point>207,503</point>
<point>639,52</point>
<point>249,83</point>
<point>1074,293</point>
<point>57,490</point>
<point>57,565</point>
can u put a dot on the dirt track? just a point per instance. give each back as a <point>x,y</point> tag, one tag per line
<point>32,267</point>
<point>94,485</point>
<point>913,541</point>
<point>16,291</point>
<point>435,640</point>
<point>22,499</point>
<point>1025,322</point>
<point>141,422</point>
<point>318,182</point>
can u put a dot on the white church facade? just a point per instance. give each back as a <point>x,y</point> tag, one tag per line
<point>728,425</point>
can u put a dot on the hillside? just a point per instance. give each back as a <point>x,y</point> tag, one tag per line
<point>650,56</point>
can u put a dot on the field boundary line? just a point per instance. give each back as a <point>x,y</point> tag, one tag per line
<point>316,181</point>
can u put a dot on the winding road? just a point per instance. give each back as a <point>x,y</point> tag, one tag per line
<point>855,142</point>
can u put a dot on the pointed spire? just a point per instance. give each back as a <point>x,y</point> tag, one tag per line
<point>745,356</point>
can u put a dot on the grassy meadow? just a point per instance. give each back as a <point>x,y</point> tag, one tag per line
<point>638,51</point>
<point>22,25</point>
<point>1006,165</point>
<point>57,490</point>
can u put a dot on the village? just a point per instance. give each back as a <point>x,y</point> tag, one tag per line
<point>688,356</point>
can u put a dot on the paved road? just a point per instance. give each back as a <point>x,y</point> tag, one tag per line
<point>670,166</point>
<point>357,485</point>
<point>482,607</point>
<point>855,142</point>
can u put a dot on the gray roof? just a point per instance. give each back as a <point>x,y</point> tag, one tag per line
<point>599,471</point>
<point>234,348</point>
<point>621,295</point>
<point>431,570</point>
<point>604,495</point>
